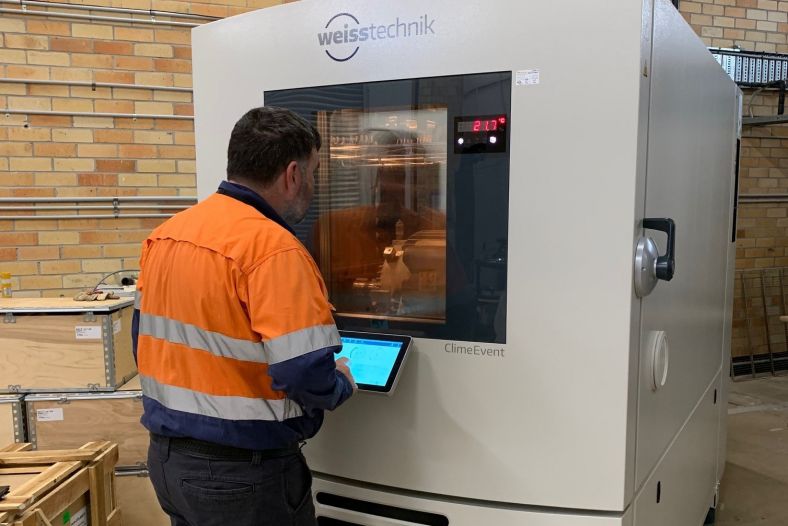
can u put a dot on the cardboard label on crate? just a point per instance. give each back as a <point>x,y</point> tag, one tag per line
<point>89,332</point>
<point>116,326</point>
<point>80,518</point>
<point>49,415</point>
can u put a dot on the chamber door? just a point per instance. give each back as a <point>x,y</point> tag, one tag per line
<point>409,224</point>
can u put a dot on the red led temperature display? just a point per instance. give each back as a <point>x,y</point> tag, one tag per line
<point>480,125</point>
<point>488,125</point>
<point>480,133</point>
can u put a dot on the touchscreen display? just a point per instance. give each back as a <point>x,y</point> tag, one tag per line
<point>371,361</point>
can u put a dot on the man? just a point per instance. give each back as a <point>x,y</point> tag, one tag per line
<point>235,340</point>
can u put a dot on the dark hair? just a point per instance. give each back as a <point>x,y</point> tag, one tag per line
<point>265,141</point>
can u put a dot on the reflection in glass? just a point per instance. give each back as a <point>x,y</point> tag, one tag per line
<point>380,236</point>
<point>410,219</point>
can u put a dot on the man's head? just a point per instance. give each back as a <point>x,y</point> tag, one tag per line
<point>274,152</point>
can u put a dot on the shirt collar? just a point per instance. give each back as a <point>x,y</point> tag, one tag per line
<point>253,199</point>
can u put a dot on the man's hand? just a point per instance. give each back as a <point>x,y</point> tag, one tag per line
<point>342,367</point>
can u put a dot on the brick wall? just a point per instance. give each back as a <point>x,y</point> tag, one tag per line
<point>46,156</point>
<point>86,156</point>
<point>755,25</point>
<point>762,231</point>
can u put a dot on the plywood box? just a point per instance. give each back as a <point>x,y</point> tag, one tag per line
<point>69,487</point>
<point>66,420</point>
<point>137,500</point>
<point>57,344</point>
<point>11,420</point>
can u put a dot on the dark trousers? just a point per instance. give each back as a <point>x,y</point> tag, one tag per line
<point>203,489</point>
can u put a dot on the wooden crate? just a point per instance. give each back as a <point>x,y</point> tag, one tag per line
<point>68,487</point>
<point>66,420</point>
<point>137,500</point>
<point>12,424</point>
<point>57,344</point>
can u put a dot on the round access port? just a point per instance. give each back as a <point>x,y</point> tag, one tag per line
<point>660,353</point>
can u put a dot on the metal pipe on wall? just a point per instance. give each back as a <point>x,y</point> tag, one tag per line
<point>57,14</point>
<point>763,198</point>
<point>119,199</point>
<point>86,216</point>
<point>8,111</point>
<point>119,204</point>
<point>93,84</point>
<point>90,207</point>
<point>128,10</point>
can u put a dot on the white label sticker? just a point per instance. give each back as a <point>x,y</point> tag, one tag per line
<point>49,415</point>
<point>527,77</point>
<point>116,326</point>
<point>80,518</point>
<point>92,332</point>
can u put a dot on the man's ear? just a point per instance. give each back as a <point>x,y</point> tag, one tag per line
<point>292,179</point>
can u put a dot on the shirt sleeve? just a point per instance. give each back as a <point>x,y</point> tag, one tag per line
<point>135,333</point>
<point>288,306</point>
<point>135,319</point>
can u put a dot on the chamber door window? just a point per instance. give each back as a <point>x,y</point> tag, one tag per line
<point>409,224</point>
<point>380,234</point>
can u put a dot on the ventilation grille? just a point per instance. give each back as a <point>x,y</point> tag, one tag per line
<point>327,521</point>
<point>378,510</point>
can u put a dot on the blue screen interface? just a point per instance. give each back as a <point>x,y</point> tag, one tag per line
<point>371,361</point>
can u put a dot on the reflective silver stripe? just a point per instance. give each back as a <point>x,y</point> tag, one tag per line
<point>215,343</point>
<point>224,407</point>
<point>137,299</point>
<point>301,342</point>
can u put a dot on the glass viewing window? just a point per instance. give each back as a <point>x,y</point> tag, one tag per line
<point>409,224</point>
<point>380,236</point>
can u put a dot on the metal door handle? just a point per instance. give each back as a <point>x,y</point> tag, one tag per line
<point>666,265</point>
<point>650,267</point>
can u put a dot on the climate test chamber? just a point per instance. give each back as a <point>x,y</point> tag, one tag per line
<point>497,181</point>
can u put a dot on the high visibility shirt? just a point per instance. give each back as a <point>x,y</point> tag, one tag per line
<point>233,332</point>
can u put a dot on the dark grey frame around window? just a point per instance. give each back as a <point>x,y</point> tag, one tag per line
<point>477,196</point>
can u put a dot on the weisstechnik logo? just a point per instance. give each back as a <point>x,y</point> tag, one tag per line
<point>343,34</point>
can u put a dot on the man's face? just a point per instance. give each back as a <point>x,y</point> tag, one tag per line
<point>307,189</point>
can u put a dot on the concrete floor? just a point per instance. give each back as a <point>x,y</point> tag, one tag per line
<point>754,488</point>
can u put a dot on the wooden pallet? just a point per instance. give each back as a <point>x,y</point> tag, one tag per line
<point>69,487</point>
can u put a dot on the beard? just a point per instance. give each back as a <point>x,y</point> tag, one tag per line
<point>297,210</point>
